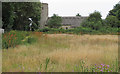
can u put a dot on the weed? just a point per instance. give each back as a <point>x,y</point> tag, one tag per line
<point>47,61</point>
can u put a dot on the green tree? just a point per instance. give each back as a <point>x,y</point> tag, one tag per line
<point>78,15</point>
<point>113,18</point>
<point>8,15</point>
<point>94,21</point>
<point>54,22</point>
<point>16,14</point>
<point>112,21</point>
<point>114,11</point>
<point>96,16</point>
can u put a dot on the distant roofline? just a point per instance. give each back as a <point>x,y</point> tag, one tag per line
<point>45,3</point>
<point>71,16</point>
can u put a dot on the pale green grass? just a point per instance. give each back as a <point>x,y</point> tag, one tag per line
<point>65,52</point>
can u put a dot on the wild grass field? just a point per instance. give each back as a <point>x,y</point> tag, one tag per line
<point>63,53</point>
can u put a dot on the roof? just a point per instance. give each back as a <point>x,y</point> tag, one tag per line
<point>74,21</point>
<point>45,3</point>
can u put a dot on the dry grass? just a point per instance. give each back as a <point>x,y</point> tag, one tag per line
<point>64,51</point>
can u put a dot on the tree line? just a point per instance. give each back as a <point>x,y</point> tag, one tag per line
<point>15,17</point>
<point>94,22</point>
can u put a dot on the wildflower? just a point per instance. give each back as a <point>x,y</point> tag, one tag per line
<point>72,70</point>
<point>101,64</point>
<point>95,64</point>
<point>99,67</point>
<point>101,70</point>
<point>11,35</point>
<point>108,66</point>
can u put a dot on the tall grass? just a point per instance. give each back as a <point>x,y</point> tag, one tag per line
<point>66,53</point>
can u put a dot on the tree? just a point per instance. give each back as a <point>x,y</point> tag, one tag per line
<point>112,21</point>
<point>113,18</point>
<point>8,15</point>
<point>114,11</point>
<point>54,22</point>
<point>78,15</point>
<point>94,21</point>
<point>16,14</point>
<point>96,16</point>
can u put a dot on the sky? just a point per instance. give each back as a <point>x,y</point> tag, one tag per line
<point>83,7</point>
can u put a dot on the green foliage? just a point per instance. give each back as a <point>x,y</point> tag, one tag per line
<point>54,22</point>
<point>112,21</point>
<point>94,21</point>
<point>115,10</point>
<point>113,18</point>
<point>8,15</point>
<point>31,40</point>
<point>81,30</point>
<point>15,38</point>
<point>98,26</point>
<point>96,16</point>
<point>16,14</point>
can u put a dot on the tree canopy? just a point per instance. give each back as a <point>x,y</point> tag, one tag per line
<point>94,21</point>
<point>55,21</point>
<point>78,15</point>
<point>15,15</point>
<point>113,17</point>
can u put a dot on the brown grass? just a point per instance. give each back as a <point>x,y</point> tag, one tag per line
<point>64,51</point>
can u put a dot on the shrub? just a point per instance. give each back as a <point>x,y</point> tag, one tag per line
<point>14,38</point>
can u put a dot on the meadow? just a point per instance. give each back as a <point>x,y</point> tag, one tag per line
<point>63,53</point>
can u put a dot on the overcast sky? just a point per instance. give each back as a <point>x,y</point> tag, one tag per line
<point>83,7</point>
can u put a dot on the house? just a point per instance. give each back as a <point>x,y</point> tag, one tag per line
<point>72,21</point>
<point>68,22</point>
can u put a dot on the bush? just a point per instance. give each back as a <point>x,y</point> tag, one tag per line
<point>82,30</point>
<point>14,38</point>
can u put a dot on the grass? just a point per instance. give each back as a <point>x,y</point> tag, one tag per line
<point>62,53</point>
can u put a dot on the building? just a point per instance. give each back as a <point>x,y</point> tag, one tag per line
<point>72,21</point>
<point>44,15</point>
<point>67,21</point>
